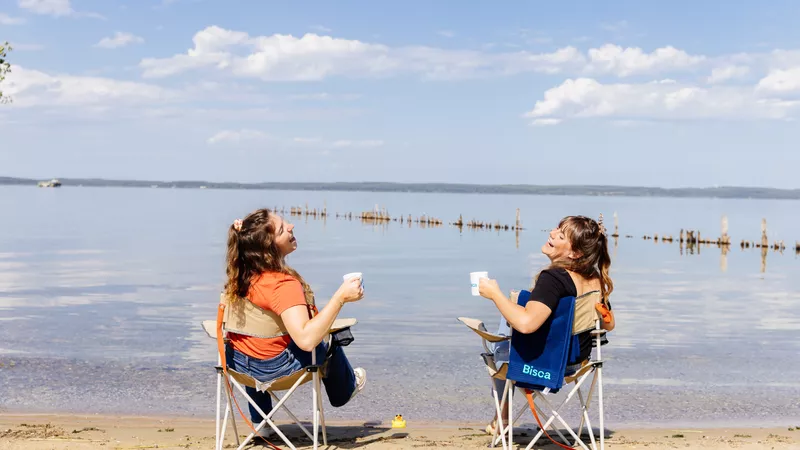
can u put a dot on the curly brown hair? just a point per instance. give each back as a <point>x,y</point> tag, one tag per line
<point>252,251</point>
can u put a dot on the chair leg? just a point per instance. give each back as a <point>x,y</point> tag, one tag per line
<point>321,413</point>
<point>500,429</point>
<point>216,422</point>
<point>585,407</point>
<point>510,388</point>
<point>552,417</point>
<point>585,419</point>
<point>228,412</point>
<point>224,428</point>
<point>600,408</point>
<point>291,414</point>
<point>233,423</point>
<point>556,415</point>
<point>267,417</point>
<point>315,413</point>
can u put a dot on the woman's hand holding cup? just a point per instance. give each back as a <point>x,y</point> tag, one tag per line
<point>488,288</point>
<point>352,289</point>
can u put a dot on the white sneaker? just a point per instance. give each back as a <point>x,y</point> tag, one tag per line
<point>265,432</point>
<point>361,380</point>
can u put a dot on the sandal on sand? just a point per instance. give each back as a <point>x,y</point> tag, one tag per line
<point>491,428</point>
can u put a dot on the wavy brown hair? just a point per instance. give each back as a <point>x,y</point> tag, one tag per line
<point>589,241</point>
<point>252,251</point>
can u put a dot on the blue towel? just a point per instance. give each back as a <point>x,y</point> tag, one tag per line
<point>539,360</point>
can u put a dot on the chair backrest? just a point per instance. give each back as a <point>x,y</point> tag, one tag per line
<point>585,316</point>
<point>244,317</point>
<point>538,360</point>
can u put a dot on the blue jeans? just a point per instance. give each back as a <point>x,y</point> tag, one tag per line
<point>339,379</point>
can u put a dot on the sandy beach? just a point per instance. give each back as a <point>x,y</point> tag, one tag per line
<point>62,432</point>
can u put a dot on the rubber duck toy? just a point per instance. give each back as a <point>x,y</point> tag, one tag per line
<point>398,421</point>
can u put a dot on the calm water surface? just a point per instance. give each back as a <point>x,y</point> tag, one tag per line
<point>102,291</point>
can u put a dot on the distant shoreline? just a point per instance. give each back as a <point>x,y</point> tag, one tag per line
<point>725,192</point>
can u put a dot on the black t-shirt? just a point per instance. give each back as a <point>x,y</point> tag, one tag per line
<point>553,285</point>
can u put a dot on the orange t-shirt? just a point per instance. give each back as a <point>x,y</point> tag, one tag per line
<point>276,292</point>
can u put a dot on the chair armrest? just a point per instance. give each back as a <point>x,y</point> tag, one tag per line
<point>210,327</point>
<point>341,324</point>
<point>478,327</point>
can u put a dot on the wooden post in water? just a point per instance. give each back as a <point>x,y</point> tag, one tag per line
<point>724,242</point>
<point>724,239</point>
<point>698,242</point>
<point>518,223</point>
<point>723,261</point>
<point>764,240</point>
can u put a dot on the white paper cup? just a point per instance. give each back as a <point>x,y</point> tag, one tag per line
<point>354,275</point>
<point>474,278</point>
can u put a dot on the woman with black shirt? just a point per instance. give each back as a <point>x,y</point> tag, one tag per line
<point>579,265</point>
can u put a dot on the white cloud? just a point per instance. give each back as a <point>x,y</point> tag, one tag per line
<point>119,39</point>
<point>57,8</point>
<point>237,136</point>
<point>313,57</point>
<point>776,59</point>
<point>208,51</point>
<point>47,7</point>
<point>5,19</point>
<point>588,98</point>
<point>35,88</point>
<point>629,61</point>
<point>545,122</point>
<point>781,81</point>
<point>446,33</point>
<point>725,73</point>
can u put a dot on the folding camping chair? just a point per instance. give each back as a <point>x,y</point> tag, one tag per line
<point>289,383</point>
<point>585,318</point>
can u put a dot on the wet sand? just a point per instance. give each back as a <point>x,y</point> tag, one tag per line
<point>62,432</point>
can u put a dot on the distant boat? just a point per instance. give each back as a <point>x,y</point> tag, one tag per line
<point>52,183</point>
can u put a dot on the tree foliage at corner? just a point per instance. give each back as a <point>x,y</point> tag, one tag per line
<point>5,67</point>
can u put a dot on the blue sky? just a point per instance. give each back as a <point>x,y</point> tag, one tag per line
<point>670,94</point>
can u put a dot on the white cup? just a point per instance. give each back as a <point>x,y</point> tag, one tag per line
<point>474,278</point>
<point>354,275</point>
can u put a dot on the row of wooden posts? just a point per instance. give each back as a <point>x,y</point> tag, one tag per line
<point>688,237</point>
<point>382,216</point>
<point>692,237</point>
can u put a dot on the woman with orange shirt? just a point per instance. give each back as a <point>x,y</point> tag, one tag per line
<point>257,272</point>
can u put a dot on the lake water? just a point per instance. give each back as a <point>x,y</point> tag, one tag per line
<point>102,291</point>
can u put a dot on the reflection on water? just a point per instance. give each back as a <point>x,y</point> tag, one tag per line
<point>122,281</point>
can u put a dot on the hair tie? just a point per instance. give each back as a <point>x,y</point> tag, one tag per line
<point>600,225</point>
<point>237,225</point>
